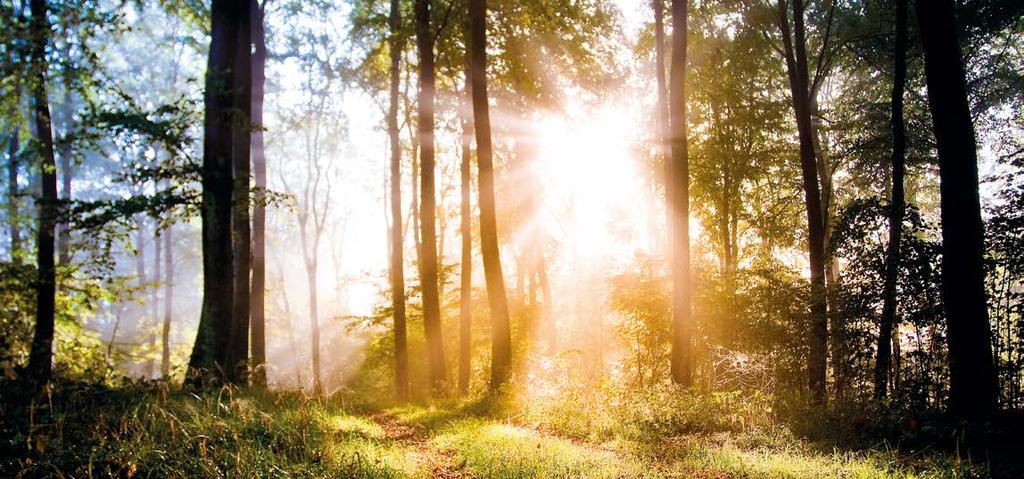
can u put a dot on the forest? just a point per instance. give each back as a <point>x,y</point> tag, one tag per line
<point>512,238</point>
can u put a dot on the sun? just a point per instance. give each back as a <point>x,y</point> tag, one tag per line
<point>596,196</point>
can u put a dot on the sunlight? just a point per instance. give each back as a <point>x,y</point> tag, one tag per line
<point>591,181</point>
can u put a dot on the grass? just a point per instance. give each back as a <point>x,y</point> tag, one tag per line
<point>145,431</point>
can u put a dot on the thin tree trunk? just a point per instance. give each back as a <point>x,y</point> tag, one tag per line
<point>258,288</point>
<point>661,113</point>
<point>897,204</point>
<point>466,274</point>
<point>428,268</point>
<point>165,336</point>
<point>13,222</point>
<point>796,66</point>
<point>212,339</point>
<point>678,196</point>
<point>973,388</point>
<point>41,354</point>
<point>397,244</point>
<point>501,338</point>
<point>155,298</point>
<point>314,324</point>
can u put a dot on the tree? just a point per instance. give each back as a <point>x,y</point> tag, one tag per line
<point>397,250</point>
<point>677,193</point>
<point>501,338</point>
<point>241,232</point>
<point>466,265</point>
<point>428,265</point>
<point>257,296</point>
<point>897,204</point>
<point>213,338</point>
<point>795,52</point>
<point>41,354</point>
<point>973,388</point>
<point>165,334</point>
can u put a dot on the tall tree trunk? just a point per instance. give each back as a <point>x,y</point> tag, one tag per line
<point>155,298</point>
<point>428,268</point>
<point>548,311</point>
<point>258,288</point>
<point>661,112</point>
<point>973,389</point>
<point>501,337</point>
<point>212,339</point>
<point>165,335</point>
<point>241,237</point>
<point>41,353</point>
<point>66,174</point>
<point>397,244</point>
<point>678,197</point>
<point>897,204</point>
<point>796,67</point>
<point>314,323</point>
<point>13,222</point>
<point>466,274</point>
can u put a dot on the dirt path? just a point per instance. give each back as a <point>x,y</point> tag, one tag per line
<point>439,463</point>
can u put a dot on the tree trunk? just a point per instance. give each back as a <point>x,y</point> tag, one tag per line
<point>501,338</point>
<point>973,389</point>
<point>241,237</point>
<point>678,198</point>
<point>796,67</point>
<point>13,148</point>
<point>314,324</point>
<point>466,274</point>
<point>165,336</point>
<point>67,111</point>
<point>397,244</point>
<point>212,340</point>
<point>897,204</point>
<point>155,298</point>
<point>258,288</point>
<point>428,268</point>
<point>41,354</point>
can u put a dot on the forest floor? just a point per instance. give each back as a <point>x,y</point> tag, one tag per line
<point>89,431</point>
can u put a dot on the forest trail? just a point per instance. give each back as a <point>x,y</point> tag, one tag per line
<point>441,443</point>
<point>428,459</point>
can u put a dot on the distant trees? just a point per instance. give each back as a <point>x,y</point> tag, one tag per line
<point>972,387</point>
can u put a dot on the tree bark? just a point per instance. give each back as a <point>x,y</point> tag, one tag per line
<point>973,389</point>
<point>678,198</point>
<point>466,274</point>
<point>41,353</point>
<point>165,336</point>
<point>428,268</point>
<point>501,337</point>
<point>241,237</point>
<point>207,361</point>
<point>66,174</point>
<point>796,67</point>
<point>155,298</point>
<point>897,204</point>
<point>314,323</point>
<point>13,148</point>
<point>397,244</point>
<point>258,288</point>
